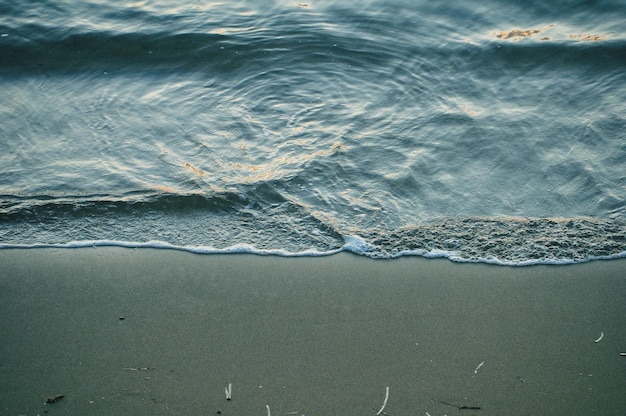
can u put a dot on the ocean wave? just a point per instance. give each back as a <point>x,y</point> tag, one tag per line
<point>14,208</point>
<point>34,48</point>
<point>386,129</point>
<point>510,241</point>
<point>284,230</point>
<point>353,244</point>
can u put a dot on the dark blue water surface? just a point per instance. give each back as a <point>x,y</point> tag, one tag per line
<point>480,131</point>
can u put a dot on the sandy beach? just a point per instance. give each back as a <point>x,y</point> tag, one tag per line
<point>161,332</point>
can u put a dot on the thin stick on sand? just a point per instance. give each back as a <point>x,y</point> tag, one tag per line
<point>455,405</point>
<point>479,365</point>
<point>384,402</point>
<point>268,410</point>
<point>599,338</point>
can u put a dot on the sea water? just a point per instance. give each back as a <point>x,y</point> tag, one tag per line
<point>487,131</point>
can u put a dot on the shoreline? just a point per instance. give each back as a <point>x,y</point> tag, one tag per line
<point>137,331</point>
<point>355,246</point>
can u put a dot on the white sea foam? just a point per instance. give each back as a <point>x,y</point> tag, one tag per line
<point>236,249</point>
<point>354,244</point>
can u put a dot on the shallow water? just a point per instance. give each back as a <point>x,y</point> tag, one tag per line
<point>477,131</point>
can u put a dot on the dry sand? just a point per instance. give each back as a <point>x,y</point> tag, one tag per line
<point>162,332</point>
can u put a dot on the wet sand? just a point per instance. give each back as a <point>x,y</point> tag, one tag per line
<point>163,332</point>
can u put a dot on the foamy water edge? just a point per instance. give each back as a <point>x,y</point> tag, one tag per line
<point>353,244</point>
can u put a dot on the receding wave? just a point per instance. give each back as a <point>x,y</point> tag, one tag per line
<point>269,224</point>
<point>261,218</point>
<point>511,241</point>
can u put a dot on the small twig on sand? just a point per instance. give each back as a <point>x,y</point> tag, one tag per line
<point>622,354</point>
<point>479,365</point>
<point>229,391</point>
<point>384,402</point>
<point>268,410</point>
<point>456,405</point>
<point>54,399</point>
<point>599,338</point>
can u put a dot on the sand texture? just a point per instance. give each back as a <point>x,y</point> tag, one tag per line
<point>162,332</point>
